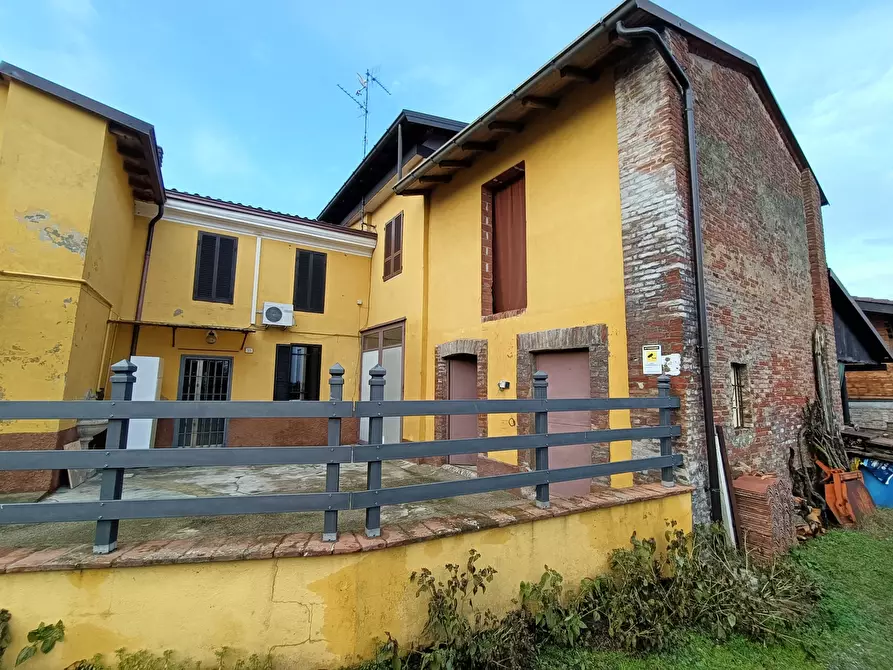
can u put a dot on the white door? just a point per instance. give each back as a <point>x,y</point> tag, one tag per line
<point>383,347</point>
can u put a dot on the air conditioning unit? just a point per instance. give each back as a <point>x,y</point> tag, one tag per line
<point>279,314</point>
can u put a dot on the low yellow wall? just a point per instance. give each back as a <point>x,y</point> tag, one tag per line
<point>321,612</point>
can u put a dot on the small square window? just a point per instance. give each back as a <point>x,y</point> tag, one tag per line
<point>740,414</point>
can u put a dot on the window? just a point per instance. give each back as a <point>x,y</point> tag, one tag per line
<point>508,240</point>
<point>310,281</point>
<point>739,382</point>
<point>889,329</point>
<point>297,372</point>
<point>393,247</point>
<point>215,268</point>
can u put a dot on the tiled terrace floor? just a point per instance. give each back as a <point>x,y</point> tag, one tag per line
<point>240,481</point>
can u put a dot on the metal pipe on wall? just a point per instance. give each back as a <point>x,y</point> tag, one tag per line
<point>688,97</point>
<point>141,296</point>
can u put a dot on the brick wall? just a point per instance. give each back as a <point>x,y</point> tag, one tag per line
<point>874,383</point>
<point>765,273</point>
<point>658,273</point>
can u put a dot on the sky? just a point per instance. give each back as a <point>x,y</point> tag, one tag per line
<point>244,96</point>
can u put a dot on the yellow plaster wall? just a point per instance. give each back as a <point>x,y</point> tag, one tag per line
<point>402,296</point>
<point>51,157</point>
<point>574,245</point>
<point>321,612</point>
<point>111,227</point>
<point>169,300</point>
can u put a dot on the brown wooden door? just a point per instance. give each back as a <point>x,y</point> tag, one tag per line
<point>463,386</point>
<point>568,378</point>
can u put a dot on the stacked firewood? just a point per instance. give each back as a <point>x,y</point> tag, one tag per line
<point>764,514</point>
<point>807,520</point>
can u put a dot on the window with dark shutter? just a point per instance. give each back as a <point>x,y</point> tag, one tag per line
<point>310,281</point>
<point>297,372</point>
<point>215,268</point>
<point>393,247</point>
<point>510,244</point>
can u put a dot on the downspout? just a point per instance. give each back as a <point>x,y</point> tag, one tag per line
<point>688,97</point>
<point>141,296</point>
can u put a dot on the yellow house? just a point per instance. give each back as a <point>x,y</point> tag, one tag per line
<point>563,230</point>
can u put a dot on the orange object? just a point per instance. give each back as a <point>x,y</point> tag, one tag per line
<point>846,495</point>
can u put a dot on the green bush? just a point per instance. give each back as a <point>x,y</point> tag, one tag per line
<point>644,603</point>
<point>702,584</point>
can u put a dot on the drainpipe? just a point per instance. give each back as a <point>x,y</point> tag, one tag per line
<point>141,297</point>
<point>688,97</point>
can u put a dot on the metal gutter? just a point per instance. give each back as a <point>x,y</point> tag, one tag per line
<point>144,278</point>
<point>688,95</point>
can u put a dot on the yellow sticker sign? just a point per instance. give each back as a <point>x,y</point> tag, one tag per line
<point>651,359</point>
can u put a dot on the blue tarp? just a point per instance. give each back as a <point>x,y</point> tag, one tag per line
<point>878,476</point>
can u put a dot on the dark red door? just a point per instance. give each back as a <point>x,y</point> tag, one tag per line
<point>463,386</point>
<point>568,378</point>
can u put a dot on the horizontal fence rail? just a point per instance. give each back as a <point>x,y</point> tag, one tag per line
<point>112,461</point>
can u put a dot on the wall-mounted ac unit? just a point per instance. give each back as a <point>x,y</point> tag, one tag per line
<point>279,314</point>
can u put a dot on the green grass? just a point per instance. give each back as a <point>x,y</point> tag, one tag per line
<point>852,629</point>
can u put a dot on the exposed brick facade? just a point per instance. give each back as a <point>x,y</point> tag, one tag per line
<point>764,260</point>
<point>442,354</point>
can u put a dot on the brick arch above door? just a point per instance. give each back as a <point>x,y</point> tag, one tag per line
<point>442,353</point>
<point>593,338</point>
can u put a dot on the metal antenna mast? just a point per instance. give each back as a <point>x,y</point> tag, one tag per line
<point>361,99</point>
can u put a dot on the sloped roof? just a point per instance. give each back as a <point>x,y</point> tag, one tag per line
<point>382,159</point>
<point>135,138</point>
<point>581,60</point>
<point>857,340</point>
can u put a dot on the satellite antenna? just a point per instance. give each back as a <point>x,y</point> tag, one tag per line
<point>361,99</point>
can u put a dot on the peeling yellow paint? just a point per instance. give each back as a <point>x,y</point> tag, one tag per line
<point>320,612</point>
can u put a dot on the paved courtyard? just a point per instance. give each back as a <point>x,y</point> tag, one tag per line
<point>154,483</point>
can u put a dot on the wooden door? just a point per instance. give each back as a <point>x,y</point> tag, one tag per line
<point>568,378</point>
<point>462,375</point>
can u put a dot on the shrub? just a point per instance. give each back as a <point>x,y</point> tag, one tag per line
<point>703,583</point>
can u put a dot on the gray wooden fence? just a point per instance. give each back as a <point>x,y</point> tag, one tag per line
<point>114,459</point>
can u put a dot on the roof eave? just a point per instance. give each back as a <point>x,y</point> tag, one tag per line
<point>145,131</point>
<point>567,54</point>
<point>887,355</point>
<point>407,115</point>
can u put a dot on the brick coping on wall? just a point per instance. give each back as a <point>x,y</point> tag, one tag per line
<point>252,547</point>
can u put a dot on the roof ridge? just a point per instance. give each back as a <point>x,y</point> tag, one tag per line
<point>234,203</point>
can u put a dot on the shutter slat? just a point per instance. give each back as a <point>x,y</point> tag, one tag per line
<point>318,283</point>
<point>310,281</point>
<point>204,272</point>
<point>226,265</point>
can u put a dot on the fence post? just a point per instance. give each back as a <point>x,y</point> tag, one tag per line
<point>112,483</point>
<point>373,470</point>
<point>667,477</point>
<point>541,427</point>
<point>333,470</point>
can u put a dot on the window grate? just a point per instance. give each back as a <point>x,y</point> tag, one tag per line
<point>204,379</point>
<point>739,377</point>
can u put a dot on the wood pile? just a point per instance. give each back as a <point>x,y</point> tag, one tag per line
<point>807,520</point>
<point>765,516</point>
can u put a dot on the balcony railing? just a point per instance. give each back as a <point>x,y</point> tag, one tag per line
<point>114,459</point>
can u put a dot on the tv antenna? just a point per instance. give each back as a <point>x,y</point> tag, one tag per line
<point>361,99</point>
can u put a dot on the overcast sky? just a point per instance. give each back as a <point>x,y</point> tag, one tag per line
<point>244,101</point>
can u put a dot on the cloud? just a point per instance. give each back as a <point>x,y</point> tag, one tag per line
<point>217,153</point>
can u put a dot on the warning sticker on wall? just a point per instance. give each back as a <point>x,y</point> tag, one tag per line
<point>651,359</point>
